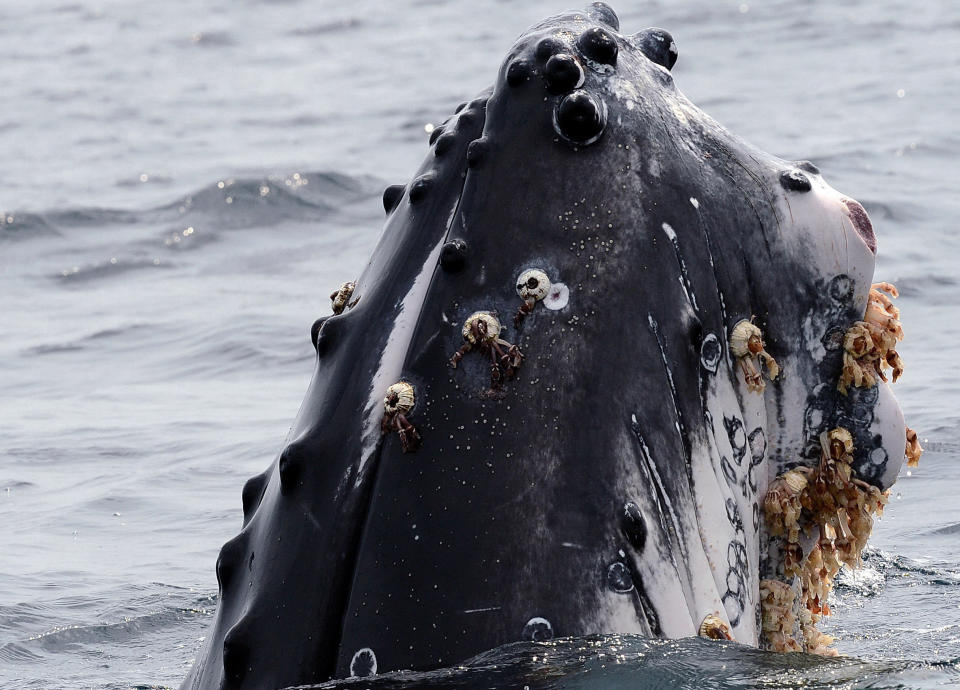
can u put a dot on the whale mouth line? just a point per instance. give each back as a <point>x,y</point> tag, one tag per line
<point>861,223</point>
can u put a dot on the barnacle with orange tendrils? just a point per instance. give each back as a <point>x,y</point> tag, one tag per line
<point>746,344</point>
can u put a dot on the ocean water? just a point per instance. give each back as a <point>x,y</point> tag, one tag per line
<point>182,184</point>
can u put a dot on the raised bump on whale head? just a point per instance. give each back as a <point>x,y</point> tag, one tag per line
<point>658,46</point>
<point>392,196</point>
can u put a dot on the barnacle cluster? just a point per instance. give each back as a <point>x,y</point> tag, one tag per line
<point>869,346</point>
<point>778,620</point>
<point>829,505</point>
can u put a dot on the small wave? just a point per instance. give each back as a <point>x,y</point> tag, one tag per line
<point>947,530</point>
<point>232,203</point>
<point>111,267</point>
<point>82,342</point>
<point>347,23</point>
<point>210,39</point>
<point>865,581</point>
<point>10,485</point>
<point>69,637</point>
<point>884,562</point>
<point>242,203</point>
<point>622,662</point>
<point>11,652</point>
<point>14,226</point>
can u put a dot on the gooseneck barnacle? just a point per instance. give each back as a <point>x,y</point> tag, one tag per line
<point>829,504</point>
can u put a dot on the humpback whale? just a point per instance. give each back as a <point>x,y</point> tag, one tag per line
<point>596,327</point>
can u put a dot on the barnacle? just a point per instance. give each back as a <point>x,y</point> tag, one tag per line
<point>782,504</point>
<point>481,326</point>
<point>532,286</point>
<point>860,358</point>
<point>870,345</point>
<point>914,449</point>
<point>482,331</point>
<point>838,510</point>
<point>340,297</point>
<point>714,627</point>
<point>746,344</point>
<point>397,404</point>
<point>399,398</point>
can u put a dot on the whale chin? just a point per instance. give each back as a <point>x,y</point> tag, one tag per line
<point>596,328</point>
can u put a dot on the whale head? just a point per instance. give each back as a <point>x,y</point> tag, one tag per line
<point>582,243</point>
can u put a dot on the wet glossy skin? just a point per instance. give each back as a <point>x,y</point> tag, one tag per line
<point>613,485</point>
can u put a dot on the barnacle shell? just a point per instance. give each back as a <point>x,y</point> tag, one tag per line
<point>492,324</point>
<point>841,436</point>
<point>341,297</point>
<point>404,398</point>
<point>740,338</point>
<point>533,283</point>
<point>746,344</point>
<point>714,628</point>
<point>861,358</point>
<point>782,506</point>
<point>858,341</point>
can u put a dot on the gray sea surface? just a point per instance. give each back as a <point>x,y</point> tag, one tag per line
<point>183,183</point>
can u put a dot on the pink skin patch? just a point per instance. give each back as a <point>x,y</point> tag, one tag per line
<point>861,223</point>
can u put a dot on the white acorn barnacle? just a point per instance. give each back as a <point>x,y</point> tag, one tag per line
<point>532,286</point>
<point>533,283</point>
<point>340,297</point>
<point>397,404</point>
<point>714,628</point>
<point>746,344</point>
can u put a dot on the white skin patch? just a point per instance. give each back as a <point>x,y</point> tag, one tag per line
<point>363,663</point>
<point>557,297</point>
<point>538,629</point>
